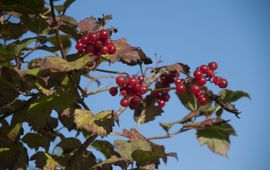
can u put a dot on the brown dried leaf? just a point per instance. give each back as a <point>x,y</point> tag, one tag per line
<point>128,54</point>
<point>174,67</point>
<point>89,24</point>
<point>104,19</point>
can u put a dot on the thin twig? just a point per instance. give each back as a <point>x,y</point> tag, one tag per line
<point>55,27</point>
<point>169,135</point>
<point>112,72</point>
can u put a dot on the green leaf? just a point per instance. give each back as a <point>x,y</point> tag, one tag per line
<point>34,141</point>
<point>216,137</point>
<point>38,113</point>
<point>147,111</point>
<point>69,144</point>
<point>100,124</point>
<point>37,25</point>
<point>65,39</point>
<point>192,104</point>
<point>25,6</point>
<point>15,132</point>
<point>113,160</point>
<point>126,148</point>
<point>13,157</point>
<point>232,96</point>
<point>57,64</point>
<point>105,147</point>
<point>45,161</point>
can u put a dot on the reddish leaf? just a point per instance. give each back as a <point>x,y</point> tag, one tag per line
<point>128,54</point>
<point>89,25</point>
<point>174,67</point>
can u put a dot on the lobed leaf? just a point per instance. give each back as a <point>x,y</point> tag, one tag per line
<point>216,137</point>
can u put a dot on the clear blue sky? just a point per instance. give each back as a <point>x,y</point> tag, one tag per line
<point>235,33</point>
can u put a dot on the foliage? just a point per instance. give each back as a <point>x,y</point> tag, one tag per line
<point>33,89</point>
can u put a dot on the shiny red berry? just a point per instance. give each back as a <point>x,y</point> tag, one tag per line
<point>123,92</point>
<point>79,46</point>
<point>201,81</point>
<point>223,83</point>
<point>213,65</point>
<point>132,82</point>
<point>85,40</point>
<point>194,89</point>
<point>108,44</point>
<point>161,103</point>
<point>92,37</point>
<point>143,90</point>
<point>210,73</point>
<point>124,102</point>
<point>103,35</point>
<point>198,74</point>
<point>204,68</point>
<point>216,80</point>
<point>140,79</point>
<point>121,81</point>
<point>113,91</point>
<point>89,49</point>
<point>180,88</point>
<point>104,50</point>
<point>112,50</point>
<point>203,100</point>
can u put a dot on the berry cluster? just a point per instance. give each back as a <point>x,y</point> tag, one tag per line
<point>165,81</point>
<point>131,88</point>
<point>203,74</point>
<point>206,72</point>
<point>96,44</point>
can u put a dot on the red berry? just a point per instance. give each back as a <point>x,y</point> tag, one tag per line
<point>113,91</point>
<point>216,80</point>
<point>92,37</point>
<point>98,45</point>
<point>108,44</point>
<point>203,100</point>
<point>135,100</point>
<point>199,93</point>
<point>124,102</point>
<point>85,40</point>
<point>143,90</point>
<point>194,89</point>
<point>79,46</point>
<point>213,65</point>
<point>140,79</point>
<point>180,88</point>
<point>104,50</point>
<point>136,88</point>
<point>203,68</point>
<point>89,64</point>
<point>123,92</point>
<point>177,81</point>
<point>121,81</point>
<point>89,49</point>
<point>165,97</point>
<point>132,82</point>
<point>223,83</point>
<point>201,81</point>
<point>112,50</point>
<point>210,73</point>
<point>177,74</point>
<point>198,74</point>
<point>161,103</point>
<point>103,35</point>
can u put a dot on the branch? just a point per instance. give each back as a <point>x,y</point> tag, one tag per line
<point>77,153</point>
<point>169,135</point>
<point>56,31</point>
